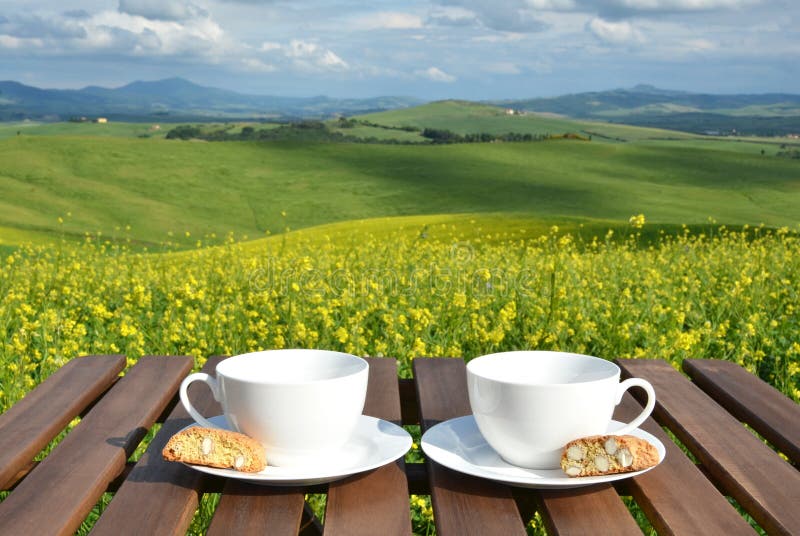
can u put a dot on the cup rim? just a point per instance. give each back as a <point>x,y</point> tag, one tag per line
<point>361,366</point>
<point>613,370</point>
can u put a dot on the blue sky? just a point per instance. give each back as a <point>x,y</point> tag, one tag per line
<point>432,49</point>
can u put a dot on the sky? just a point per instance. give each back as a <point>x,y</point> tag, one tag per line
<point>431,49</point>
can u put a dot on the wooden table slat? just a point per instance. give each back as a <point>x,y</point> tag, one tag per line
<point>767,487</point>
<point>676,496</point>
<point>750,400</point>
<point>160,497</point>
<point>61,491</point>
<point>384,489</point>
<point>252,509</point>
<point>590,510</point>
<point>462,505</point>
<point>34,421</point>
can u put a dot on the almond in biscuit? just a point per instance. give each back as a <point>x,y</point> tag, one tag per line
<point>606,455</point>
<point>216,448</point>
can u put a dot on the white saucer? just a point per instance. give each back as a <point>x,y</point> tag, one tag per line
<point>374,443</point>
<point>458,444</point>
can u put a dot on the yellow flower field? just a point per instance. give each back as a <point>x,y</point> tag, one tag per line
<point>436,292</point>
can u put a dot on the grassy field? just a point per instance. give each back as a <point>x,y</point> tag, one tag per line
<point>111,129</point>
<point>153,191</point>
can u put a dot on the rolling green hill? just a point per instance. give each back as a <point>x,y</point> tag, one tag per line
<point>111,129</point>
<point>163,189</point>
<point>465,117</point>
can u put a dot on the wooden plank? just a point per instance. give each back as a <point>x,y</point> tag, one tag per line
<point>34,421</point>
<point>462,505</point>
<point>160,497</point>
<point>676,496</point>
<point>56,497</point>
<point>384,489</point>
<point>766,486</point>
<point>252,509</point>
<point>590,510</point>
<point>751,400</point>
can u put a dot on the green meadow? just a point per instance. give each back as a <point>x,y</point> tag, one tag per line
<point>111,129</point>
<point>70,179</point>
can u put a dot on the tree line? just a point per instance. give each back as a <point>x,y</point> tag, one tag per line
<point>318,131</point>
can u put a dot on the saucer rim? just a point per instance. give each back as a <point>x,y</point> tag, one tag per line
<point>433,452</point>
<point>314,475</point>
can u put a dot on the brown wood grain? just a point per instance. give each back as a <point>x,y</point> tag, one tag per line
<point>462,505</point>
<point>676,496</point>
<point>251,509</point>
<point>56,497</point>
<point>590,510</point>
<point>375,502</point>
<point>160,497</point>
<point>29,425</point>
<point>751,400</point>
<point>766,486</point>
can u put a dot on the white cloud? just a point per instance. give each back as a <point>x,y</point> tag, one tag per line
<point>306,56</point>
<point>173,10</point>
<point>196,37</point>
<point>700,45</point>
<point>622,32</point>
<point>388,20</point>
<point>255,65</point>
<point>267,46</point>
<point>452,16</point>
<point>11,42</point>
<point>552,5</point>
<point>508,37</point>
<point>435,74</point>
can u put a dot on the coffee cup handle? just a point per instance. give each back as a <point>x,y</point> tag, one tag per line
<point>648,409</point>
<point>212,384</point>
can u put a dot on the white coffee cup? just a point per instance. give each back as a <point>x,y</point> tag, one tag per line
<point>529,404</point>
<point>301,404</point>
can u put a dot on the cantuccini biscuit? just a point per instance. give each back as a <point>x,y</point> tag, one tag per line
<point>607,454</point>
<point>216,448</point>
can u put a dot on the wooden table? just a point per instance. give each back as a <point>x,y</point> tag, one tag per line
<point>682,496</point>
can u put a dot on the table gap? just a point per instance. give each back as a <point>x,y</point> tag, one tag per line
<point>203,514</point>
<point>421,515</point>
<point>753,523</point>
<point>317,502</point>
<point>144,443</point>
<point>766,442</point>
<point>639,516</point>
<point>680,445</point>
<point>94,514</point>
<point>415,453</point>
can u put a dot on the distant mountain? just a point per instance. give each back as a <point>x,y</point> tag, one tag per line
<point>645,105</point>
<point>174,99</point>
